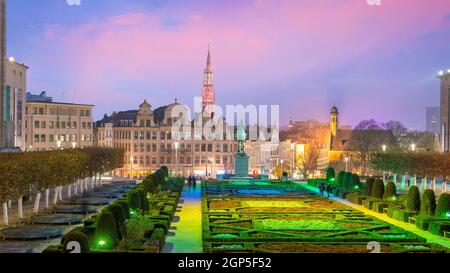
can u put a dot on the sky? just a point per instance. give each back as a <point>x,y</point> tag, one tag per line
<point>371,61</point>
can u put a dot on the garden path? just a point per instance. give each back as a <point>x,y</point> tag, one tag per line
<point>187,232</point>
<point>431,238</point>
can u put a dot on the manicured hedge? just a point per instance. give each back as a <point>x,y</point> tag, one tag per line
<point>390,190</point>
<point>368,186</point>
<point>443,206</point>
<point>438,227</point>
<point>340,179</point>
<point>125,207</point>
<point>134,201</point>
<point>347,182</point>
<point>330,176</point>
<point>119,218</point>
<point>76,236</point>
<point>105,236</point>
<point>428,203</point>
<point>378,189</point>
<point>413,199</point>
<point>355,182</point>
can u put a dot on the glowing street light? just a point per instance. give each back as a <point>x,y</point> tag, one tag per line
<point>441,73</point>
<point>346,164</point>
<point>383,147</point>
<point>176,144</point>
<point>74,144</point>
<point>58,143</point>
<point>131,167</point>
<point>413,147</point>
<point>12,59</point>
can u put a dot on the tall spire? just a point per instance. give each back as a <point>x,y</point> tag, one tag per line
<point>208,96</point>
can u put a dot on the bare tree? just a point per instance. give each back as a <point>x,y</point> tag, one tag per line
<point>308,163</point>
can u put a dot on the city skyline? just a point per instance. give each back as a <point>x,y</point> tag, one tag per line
<point>392,50</point>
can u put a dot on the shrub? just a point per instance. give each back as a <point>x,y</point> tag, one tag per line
<point>428,203</point>
<point>443,205</point>
<point>105,236</point>
<point>125,207</point>
<point>355,182</point>
<point>159,235</point>
<point>368,186</point>
<point>390,190</point>
<point>119,218</point>
<point>165,171</point>
<point>438,227</point>
<point>403,215</point>
<point>76,236</point>
<point>330,174</point>
<point>346,181</point>
<point>378,189</point>
<point>134,201</point>
<point>340,178</point>
<point>413,199</point>
<point>143,199</point>
<point>136,228</point>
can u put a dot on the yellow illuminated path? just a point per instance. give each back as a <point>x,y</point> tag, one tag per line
<point>187,237</point>
<point>431,238</point>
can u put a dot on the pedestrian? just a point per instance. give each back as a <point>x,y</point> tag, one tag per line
<point>328,190</point>
<point>321,188</point>
<point>189,180</point>
<point>194,180</point>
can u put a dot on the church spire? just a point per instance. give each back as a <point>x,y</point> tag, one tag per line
<point>208,96</point>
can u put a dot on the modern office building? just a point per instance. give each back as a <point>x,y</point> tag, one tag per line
<point>3,118</point>
<point>444,131</point>
<point>433,119</point>
<point>51,125</point>
<point>15,99</point>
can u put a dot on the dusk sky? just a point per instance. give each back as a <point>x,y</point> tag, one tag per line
<point>305,55</point>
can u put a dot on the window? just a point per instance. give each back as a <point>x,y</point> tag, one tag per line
<point>153,160</point>
<point>181,160</point>
<point>69,125</point>
<point>209,147</point>
<point>136,135</point>
<point>197,147</point>
<point>37,124</point>
<point>154,135</point>
<point>225,148</point>
<point>203,147</point>
<point>43,138</point>
<point>217,159</point>
<point>41,111</point>
<point>83,125</point>
<point>57,125</point>
<point>142,147</point>
<point>225,159</point>
<point>148,123</point>
<point>51,138</point>
<point>188,160</point>
<point>154,149</point>
<point>162,135</point>
<point>142,123</point>
<point>36,138</point>
<point>197,160</point>
<point>51,124</point>
<point>148,148</point>
<point>135,147</point>
<point>63,125</point>
<point>162,160</point>
<point>88,138</point>
<point>74,125</point>
<point>218,147</point>
<point>203,159</point>
<point>148,135</point>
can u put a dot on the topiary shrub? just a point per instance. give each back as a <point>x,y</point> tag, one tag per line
<point>428,203</point>
<point>105,236</point>
<point>134,201</point>
<point>390,190</point>
<point>443,206</point>
<point>439,227</point>
<point>143,199</point>
<point>346,182</point>
<point>125,207</point>
<point>340,179</point>
<point>119,218</point>
<point>355,183</point>
<point>165,171</point>
<point>330,177</point>
<point>368,186</point>
<point>413,199</point>
<point>378,189</point>
<point>75,236</point>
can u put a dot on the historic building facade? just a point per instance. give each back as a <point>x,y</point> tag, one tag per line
<point>51,125</point>
<point>148,137</point>
<point>445,110</point>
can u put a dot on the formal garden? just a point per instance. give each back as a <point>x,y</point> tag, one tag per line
<point>418,206</point>
<point>245,216</point>
<point>137,222</point>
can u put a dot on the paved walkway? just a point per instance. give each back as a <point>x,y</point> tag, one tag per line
<point>186,234</point>
<point>431,238</point>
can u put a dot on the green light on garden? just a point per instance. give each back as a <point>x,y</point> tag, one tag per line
<point>332,179</point>
<point>101,243</point>
<point>356,187</point>
<point>448,214</point>
<point>132,212</point>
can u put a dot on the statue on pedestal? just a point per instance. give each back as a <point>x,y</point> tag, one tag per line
<point>241,158</point>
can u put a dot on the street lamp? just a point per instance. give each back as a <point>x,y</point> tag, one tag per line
<point>346,164</point>
<point>383,147</point>
<point>58,143</point>
<point>131,167</point>
<point>74,144</point>
<point>384,172</point>
<point>176,156</point>
<point>413,147</point>
<point>293,158</point>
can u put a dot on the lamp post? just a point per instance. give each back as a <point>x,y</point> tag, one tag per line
<point>346,164</point>
<point>74,144</point>
<point>176,157</point>
<point>413,147</point>
<point>58,144</point>
<point>293,158</point>
<point>131,167</point>
<point>383,147</point>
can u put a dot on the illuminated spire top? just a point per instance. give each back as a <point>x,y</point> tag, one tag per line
<point>208,95</point>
